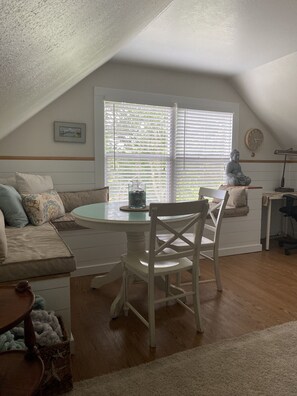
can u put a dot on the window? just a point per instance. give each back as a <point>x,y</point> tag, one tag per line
<point>203,144</point>
<point>137,146</point>
<point>174,149</point>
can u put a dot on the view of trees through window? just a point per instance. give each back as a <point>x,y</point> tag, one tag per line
<point>172,150</point>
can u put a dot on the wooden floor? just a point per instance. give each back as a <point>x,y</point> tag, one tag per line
<point>260,290</point>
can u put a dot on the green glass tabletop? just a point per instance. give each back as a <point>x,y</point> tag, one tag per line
<point>109,212</point>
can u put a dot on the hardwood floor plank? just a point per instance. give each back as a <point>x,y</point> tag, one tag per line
<point>260,291</point>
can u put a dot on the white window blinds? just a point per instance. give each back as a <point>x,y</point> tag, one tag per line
<point>202,148</point>
<point>137,146</point>
<point>173,150</point>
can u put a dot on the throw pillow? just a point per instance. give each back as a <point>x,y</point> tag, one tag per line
<point>74,199</point>
<point>237,196</point>
<point>11,206</point>
<point>43,207</point>
<point>3,241</point>
<point>9,181</point>
<point>33,184</point>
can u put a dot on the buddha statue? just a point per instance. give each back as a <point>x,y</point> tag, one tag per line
<point>234,175</point>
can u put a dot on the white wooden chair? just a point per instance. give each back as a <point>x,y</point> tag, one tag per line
<point>211,234</point>
<point>161,261</point>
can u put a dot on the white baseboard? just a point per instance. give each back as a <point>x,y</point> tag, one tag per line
<point>230,251</point>
<point>94,269</point>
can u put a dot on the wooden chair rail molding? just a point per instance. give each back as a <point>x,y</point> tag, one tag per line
<point>45,158</point>
<point>50,158</point>
<point>266,161</point>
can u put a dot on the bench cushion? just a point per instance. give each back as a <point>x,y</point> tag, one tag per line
<point>236,212</point>
<point>74,199</point>
<point>35,251</point>
<point>233,212</point>
<point>67,223</point>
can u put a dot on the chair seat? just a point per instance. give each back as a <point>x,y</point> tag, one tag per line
<point>139,265</point>
<point>180,245</point>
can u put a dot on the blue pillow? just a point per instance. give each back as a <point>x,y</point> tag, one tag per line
<point>11,206</point>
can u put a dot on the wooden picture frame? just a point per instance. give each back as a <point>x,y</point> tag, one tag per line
<point>70,132</point>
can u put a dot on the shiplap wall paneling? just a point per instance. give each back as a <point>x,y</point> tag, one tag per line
<point>95,251</point>
<point>242,234</point>
<point>265,175</point>
<point>66,175</point>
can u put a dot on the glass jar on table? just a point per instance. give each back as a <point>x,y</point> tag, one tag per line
<point>137,194</point>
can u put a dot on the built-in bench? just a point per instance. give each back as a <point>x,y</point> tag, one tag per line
<point>241,225</point>
<point>48,254</point>
<point>38,253</point>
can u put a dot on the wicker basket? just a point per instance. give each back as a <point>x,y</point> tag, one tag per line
<point>57,377</point>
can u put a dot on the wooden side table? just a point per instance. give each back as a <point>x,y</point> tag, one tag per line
<point>21,372</point>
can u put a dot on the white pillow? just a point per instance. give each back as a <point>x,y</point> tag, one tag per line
<point>3,241</point>
<point>9,181</point>
<point>33,184</point>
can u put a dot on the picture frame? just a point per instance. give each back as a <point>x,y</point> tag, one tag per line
<point>70,132</point>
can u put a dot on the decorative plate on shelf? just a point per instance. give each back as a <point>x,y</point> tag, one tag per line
<point>253,139</point>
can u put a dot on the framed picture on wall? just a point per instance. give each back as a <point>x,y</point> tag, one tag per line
<point>71,132</point>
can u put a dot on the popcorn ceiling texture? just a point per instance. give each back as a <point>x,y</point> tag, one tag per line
<point>47,46</point>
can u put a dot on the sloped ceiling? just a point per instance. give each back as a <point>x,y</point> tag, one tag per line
<point>252,42</point>
<point>47,46</point>
<point>271,92</point>
<point>224,37</point>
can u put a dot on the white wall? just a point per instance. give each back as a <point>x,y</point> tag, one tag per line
<point>35,137</point>
<point>271,90</point>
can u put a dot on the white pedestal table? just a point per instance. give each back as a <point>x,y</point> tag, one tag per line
<point>107,216</point>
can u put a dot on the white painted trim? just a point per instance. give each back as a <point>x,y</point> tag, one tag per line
<point>93,269</point>
<point>230,251</point>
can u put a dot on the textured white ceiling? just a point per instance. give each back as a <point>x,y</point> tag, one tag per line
<point>252,41</point>
<point>47,46</point>
<point>217,36</point>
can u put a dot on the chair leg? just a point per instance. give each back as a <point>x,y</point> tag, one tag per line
<point>151,314</point>
<point>166,287</point>
<point>217,270</point>
<point>125,286</point>
<point>178,279</point>
<point>196,301</point>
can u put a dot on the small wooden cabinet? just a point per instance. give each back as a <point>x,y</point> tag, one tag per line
<point>21,372</point>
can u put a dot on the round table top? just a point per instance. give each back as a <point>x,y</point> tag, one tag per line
<point>19,375</point>
<point>108,216</point>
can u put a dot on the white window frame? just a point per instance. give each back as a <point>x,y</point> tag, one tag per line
<point>156,99</point>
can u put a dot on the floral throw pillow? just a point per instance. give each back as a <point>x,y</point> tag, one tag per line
<point>43,207</point>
